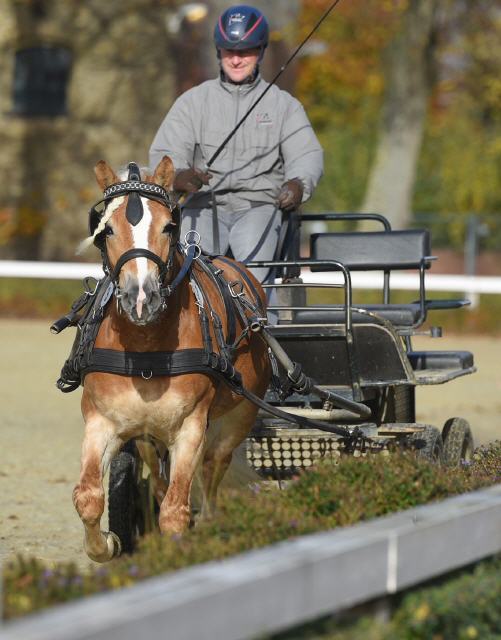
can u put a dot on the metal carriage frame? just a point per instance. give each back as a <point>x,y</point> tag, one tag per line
<point>361,351</point>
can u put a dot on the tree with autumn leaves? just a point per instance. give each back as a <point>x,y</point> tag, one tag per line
<point>406,99</point>
<point>405,96</point>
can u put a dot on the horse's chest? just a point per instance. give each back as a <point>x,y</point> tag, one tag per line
<point>139,409</point>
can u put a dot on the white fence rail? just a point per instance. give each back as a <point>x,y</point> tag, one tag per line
<point>471,286</point>
<point>56,270</point>
<point>287,584</point>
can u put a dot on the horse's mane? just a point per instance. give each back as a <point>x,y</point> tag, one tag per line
<point>89,241</point>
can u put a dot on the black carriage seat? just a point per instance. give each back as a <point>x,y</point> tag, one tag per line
<point>424,360</point>
<point>383,251</point>
<point>401,315</point>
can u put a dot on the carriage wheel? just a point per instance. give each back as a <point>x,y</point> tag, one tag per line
<point>429,444</point>
<point>400,404</point>
<point>458,441</point>
<point>125,518</point>
<point>394,404</point>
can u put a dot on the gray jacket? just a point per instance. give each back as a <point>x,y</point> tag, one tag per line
<point>275,143</point>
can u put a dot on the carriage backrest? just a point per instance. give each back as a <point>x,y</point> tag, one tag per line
<point>374,250</point>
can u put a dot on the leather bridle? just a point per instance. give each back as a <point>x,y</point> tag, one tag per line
<point>135,188</point>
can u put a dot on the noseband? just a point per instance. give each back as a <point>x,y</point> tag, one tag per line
<point>135,188</point>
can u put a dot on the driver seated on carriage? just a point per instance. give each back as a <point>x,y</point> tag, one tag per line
<point>271,165</point>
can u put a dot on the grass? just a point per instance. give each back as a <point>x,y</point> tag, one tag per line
<point>37,298</point>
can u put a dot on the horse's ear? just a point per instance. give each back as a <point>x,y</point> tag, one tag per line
<point>105,175</point>
<point>164,173</point>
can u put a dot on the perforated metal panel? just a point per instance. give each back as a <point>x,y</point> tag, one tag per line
<point>281,453</point>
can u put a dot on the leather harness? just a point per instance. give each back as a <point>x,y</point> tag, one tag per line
<point>88,311</point>
<point>86,358</point>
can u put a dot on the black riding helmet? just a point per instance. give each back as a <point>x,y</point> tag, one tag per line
<point>241,27</point>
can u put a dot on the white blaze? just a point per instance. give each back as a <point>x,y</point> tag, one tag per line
<point>140,233</point>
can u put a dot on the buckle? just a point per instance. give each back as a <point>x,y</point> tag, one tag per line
<point>89,290</point>
<point>192,239</point>
<point>232,287</point>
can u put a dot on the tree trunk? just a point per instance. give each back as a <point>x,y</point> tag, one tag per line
<point>409,76</point>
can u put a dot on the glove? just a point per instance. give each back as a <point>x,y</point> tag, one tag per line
<point>190,180</point>
<point>291,195</point>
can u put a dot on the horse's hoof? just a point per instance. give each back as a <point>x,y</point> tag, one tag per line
<point>112,550</point>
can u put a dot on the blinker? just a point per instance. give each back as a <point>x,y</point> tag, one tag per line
<point>134,211</point>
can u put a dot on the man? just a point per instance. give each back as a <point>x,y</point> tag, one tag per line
<point>272,163</point>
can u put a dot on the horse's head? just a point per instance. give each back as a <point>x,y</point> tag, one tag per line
<point>137,232</point>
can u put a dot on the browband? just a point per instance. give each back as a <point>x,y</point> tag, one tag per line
<point>117,189</point>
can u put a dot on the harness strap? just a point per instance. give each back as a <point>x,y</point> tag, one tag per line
<point>162,363</point>
<point>202,302</point>
<point>248,282</point>
<point>215,275</point>
<point>190,255</point>
<point>300,420</point>
<point>217,325</point>
<point>88,326</point>
<point>141,253</point>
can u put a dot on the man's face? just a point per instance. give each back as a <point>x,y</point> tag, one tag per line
<point>239,65</point>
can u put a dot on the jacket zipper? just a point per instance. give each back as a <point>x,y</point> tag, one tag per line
<point>235,139</point>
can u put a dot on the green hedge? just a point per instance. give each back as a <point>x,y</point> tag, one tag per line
<point>323,498</point>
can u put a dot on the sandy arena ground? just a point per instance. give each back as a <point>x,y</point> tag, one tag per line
<point>41,432</point>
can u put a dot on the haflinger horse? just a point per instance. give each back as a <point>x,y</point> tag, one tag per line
<point>141,250</point>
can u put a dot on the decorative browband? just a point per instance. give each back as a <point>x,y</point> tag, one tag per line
<point>135,185</point>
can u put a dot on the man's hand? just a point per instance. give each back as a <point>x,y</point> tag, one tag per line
<point>190,180</point>
<point>291,195</point>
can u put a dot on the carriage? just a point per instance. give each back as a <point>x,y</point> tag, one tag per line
<point>362,352</point>
<point>343,373</point>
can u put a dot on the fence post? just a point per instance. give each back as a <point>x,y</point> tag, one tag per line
<point>470,255</point>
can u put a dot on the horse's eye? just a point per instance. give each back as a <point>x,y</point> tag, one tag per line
<point>108,230</point>
<point>169,227</point>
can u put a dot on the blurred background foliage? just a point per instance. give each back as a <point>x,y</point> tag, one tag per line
<point>343,88</point>
<point>420,74</point>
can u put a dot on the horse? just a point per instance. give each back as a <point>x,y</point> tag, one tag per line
<point>139,235</point>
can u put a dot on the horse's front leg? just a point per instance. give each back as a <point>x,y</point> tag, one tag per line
<point>99,447</point>
<point>185,454</point>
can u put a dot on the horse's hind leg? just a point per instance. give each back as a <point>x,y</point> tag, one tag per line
<point>151,456</point>
<point>98,449</point>
<point>225,435</point>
